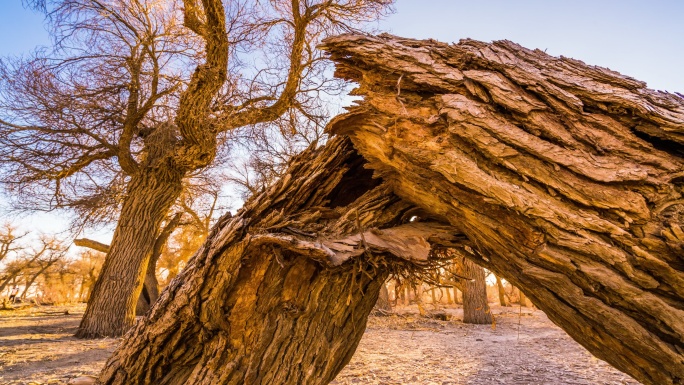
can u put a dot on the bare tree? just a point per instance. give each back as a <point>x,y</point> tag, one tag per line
<point>54,251</point>
<point>8,240</point>
<point>28,258</point>
<point>137,95</point>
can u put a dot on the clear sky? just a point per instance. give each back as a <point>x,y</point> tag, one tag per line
<point>640,38</point>
<point>643,39</point>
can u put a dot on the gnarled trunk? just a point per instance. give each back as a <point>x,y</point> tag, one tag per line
<point>280,293</point>
<point>568,178</point>
<point>112,303</point>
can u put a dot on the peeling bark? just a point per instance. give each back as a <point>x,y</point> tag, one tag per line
<point>568,177</point>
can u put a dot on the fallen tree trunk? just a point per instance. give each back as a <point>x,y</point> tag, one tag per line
<point>280,293</point>
<point>568,177</point>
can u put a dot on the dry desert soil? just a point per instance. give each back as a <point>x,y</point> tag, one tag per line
<point>37,347</point>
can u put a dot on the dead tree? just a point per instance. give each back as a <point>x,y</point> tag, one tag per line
<point>568,177</point>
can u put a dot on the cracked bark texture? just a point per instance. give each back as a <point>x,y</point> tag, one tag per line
<point>280,293</point>
<point>567,177</point>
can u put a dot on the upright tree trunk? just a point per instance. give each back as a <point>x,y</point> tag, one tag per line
<point>112,303</point>
<point>523,299</point>
<point>383,302</point>
<point>150,290</point>
<point>502,291</point>
<point>280,293</point>
<point>568,177</point>
<point>475,305</point>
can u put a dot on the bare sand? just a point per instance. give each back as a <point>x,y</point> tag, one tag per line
<point>37,347</point>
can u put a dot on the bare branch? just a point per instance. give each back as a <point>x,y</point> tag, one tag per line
<point>92,244</point>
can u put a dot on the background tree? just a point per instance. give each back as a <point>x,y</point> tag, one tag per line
<point>501,291</point>
<point>136,96</point>
<point>24,259</point>
<point>9,237</point>
<point>475,304</point>
<point>87,268</point>
<point>54,253</point>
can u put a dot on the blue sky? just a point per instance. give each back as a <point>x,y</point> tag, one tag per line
<point>643,39</point>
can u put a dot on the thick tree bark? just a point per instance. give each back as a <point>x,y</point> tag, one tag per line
<point>112,303</point>
<point>280,293</point>
<point>150,290</point>
<point>568,177</point>
<point>475,304</point>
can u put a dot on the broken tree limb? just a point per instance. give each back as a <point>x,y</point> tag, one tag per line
<point>568,177</point>
<point>92,244</point>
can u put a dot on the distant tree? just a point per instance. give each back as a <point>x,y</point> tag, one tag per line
<point>8,240</point>
<point>87,268</point>
<point>54,253</point>
<point>136,96</point>
<point>31,262</point>
<point>475,305</point>
<point>463,274</point>
<point>501,290</point>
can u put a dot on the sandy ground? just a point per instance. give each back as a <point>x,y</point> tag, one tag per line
<point>37,347</point>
